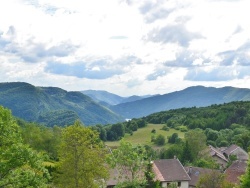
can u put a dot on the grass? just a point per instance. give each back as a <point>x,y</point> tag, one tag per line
<point>143,136</point>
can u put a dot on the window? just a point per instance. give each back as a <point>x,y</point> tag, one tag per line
<point>179,183</point>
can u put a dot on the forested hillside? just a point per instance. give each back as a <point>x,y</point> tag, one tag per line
<point>53,106</point>
<point>198,96</point>
<point>216,117</point>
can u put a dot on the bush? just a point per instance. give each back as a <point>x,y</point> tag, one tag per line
<point>165,128</point>
<point>160,140</point>
<point>183,128</point>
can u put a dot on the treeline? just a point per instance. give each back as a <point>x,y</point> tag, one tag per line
<point>216,117</point>
<point>117,131</point>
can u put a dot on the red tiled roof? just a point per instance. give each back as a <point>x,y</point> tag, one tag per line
<point>234,171</point>
<point>169,170</point>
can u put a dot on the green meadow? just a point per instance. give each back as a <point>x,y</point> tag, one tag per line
<point>143,136</point>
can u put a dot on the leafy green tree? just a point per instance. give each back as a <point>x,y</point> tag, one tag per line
<point>173,138</point>
<point>175,150</point>
<point>187,155</point>
<point>214,179</point>
<point>196,139</point>
<point>81,158</point>
<point>41,138</point>
<point>245,179</point>
<point>131,163</point>
<point>160,140</point>
<point>20,166</point>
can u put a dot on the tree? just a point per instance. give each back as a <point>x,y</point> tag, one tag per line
<point>81,158</point>
<point>187,156</point>
<point>130,161</point>
<point>160,140</point>
<point>196,140</point>
<point>215,179</point>
<point>20,166</point>
<point>173,138</point>
<point>245,179</point>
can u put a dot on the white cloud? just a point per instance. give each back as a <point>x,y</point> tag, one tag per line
<point>126,47</point>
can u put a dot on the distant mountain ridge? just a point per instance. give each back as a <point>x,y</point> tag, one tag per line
<point>53,106</point>
<point>109,99</point>
<point>198,96</point>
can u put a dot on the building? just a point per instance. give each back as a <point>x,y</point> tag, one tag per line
<point>196,172</point>
<point>218,156</point>
<point>170,171</point>
<point>241,154</point>
<point>234,171</point>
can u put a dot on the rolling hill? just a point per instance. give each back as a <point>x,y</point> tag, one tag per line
<point>53,106</point>
<point>198,96</point>
<point>109,99</point>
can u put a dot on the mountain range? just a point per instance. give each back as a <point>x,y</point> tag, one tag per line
<point>198,96</point>
<point>55,106</point>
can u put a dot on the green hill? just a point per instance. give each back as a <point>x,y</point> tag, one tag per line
<point>198,96</point>
<point>50,105</point>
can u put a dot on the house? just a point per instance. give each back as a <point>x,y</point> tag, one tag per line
<point>237,151</point>
<point>196,172</point>
<point>218,156</point>
<point>170,170</point>
<point>234,171</point>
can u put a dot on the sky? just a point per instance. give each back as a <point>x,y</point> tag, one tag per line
<point>126,47</point>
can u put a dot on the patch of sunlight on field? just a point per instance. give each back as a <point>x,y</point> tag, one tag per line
<point>143,136</point>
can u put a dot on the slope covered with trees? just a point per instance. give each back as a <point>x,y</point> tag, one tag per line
<point>53,106</point>
<point>198,96</point>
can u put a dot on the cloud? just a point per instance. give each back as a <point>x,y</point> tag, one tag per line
<point>240,56</point>
<point>95,70</point>
<point>33,52</point>
<point>154,11</point>
<point>156,74</point>
<point>187,58</point>
<point>221,73</point>
<point>173,34</point>
<point>133,82</point>
<point>118,37</point>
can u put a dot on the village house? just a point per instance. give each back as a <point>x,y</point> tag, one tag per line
<point>218,156</point>
<point>196,172</point>
<point>237,151</point>
<point>170,171</point>
<point>234,171</point>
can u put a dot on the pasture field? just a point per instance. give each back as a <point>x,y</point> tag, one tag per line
<point>143,136</point>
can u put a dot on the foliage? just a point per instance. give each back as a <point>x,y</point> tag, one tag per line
<point>174,138</point>
<point>187,154</point>
<point>159,140</point>
<point>20,165</point>
<point>245,178</point>
<point>214,179</point>
<point>41,138</point>
<point>130,161</point>
<point>173,185</point>
<point>216,117</point>
<point>175,150</point>
<point>196,140</point>
<point>42,104</point>
<point>165,128</point>
<point>82,158</point>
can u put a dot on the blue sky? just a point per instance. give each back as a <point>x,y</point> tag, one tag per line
<point>127,47</point>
